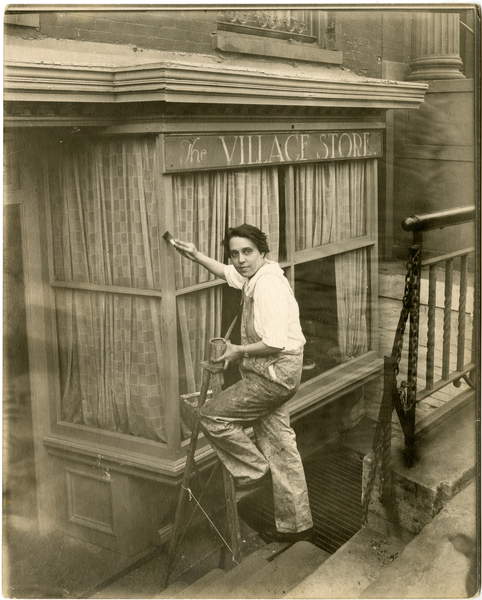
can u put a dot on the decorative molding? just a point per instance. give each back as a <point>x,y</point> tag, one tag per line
<point>163,470</point>
<point>244,43</point>
<point>268,21</point>
<point>165,82</point>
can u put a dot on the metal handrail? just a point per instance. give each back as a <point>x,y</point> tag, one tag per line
<point>439,220</point>
<point>404,397</point>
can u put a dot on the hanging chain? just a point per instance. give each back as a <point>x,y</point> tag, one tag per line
<point>405,392</point>
<point>410,306</point>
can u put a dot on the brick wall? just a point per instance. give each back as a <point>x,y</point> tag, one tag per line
<point>183,30</point>
<point>369,37</point>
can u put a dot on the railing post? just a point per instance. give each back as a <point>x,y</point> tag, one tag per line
<point>385,419</point>
<point>416,261</point>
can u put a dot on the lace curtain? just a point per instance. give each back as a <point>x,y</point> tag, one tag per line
<point>330,204</point>
<point>106,231</point>
<point>205,205</point>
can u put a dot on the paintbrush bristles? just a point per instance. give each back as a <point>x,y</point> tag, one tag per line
<point>169,238</point>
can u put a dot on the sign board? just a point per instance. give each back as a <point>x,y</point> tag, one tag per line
<point>191,152</point>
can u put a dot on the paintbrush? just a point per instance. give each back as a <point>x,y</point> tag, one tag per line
<point>169,238</point>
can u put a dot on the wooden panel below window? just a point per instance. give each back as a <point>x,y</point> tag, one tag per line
<point>110,509</point>
<point>82,510</point>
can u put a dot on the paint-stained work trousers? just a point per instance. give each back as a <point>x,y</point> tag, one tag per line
<point>258,400</point>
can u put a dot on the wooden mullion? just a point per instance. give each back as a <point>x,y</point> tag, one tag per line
<point>302,256</point>
<point>290,224</point>
<point>372,258</point>
<point>170,365</point>
<point>107,289</point>
<point>200,286</point>
<point>53,357</point>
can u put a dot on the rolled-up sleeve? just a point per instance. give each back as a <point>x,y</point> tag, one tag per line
<point>271,309</point>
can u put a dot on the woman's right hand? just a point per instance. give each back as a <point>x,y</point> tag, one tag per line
<point>187,249</point>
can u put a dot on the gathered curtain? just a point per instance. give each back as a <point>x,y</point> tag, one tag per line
<point>205,205</point>
<point>331,202</point>
<point>106,231</point>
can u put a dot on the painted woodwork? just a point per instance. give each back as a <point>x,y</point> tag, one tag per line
<point>106,467</point>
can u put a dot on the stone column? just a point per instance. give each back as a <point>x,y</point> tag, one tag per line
<point>435,46</point>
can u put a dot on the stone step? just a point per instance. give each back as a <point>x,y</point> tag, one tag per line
<point>173,590</point>
<point>283,573</point>
<point>195,590</point>
<point>351,569</point>
<point>441,561</point>
<point>229,580</point>
<point>446,464</point>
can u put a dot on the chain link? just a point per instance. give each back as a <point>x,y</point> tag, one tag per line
<point>406,391</point>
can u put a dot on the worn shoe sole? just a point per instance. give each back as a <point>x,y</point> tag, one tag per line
<point>273,535</point>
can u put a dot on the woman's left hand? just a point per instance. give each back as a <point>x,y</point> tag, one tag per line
<point>231,354</point>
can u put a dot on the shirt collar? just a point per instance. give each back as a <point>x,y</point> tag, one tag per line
<point>249,284</point>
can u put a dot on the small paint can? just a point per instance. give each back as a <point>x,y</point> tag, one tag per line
<point>217,347</point>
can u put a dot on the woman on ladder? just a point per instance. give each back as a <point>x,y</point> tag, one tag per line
<point>271,358</point>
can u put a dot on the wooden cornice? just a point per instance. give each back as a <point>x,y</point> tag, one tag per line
<point>171,83</point>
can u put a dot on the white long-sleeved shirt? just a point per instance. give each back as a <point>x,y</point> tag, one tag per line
<point>276,312</point>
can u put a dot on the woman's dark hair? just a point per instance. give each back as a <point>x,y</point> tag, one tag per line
<point>252,233</point>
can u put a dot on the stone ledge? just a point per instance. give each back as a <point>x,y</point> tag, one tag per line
<point>446,465</point>
<point>243,43</point>
<point>441,562</point>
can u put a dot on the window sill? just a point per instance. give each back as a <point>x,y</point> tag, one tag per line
<point>229,41</point>
<point>336,382</point>
<point>312,395</point>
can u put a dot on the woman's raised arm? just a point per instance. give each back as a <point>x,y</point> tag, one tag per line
<point>189,250</point>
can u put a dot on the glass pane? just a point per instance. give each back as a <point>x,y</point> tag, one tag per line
<point>333,297</point>
<point>205,204</point>
<point>331,201</point>
<point>109,360</point>
<point>105,214</point>
<point>199,317</point>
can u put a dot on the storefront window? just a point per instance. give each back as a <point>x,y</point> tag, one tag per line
<point>333,297</point>
<point>330,202</point>
<point>106,239</point>
<point>106,270</point>
<point>205,205</point>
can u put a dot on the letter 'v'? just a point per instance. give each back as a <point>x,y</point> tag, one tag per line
<point>229,157</point>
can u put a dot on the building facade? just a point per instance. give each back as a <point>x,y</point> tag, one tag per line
<point>124,124</point>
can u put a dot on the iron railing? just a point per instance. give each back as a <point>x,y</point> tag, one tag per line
<point>450,371</point>
<point>302,25</point>
<point>454,365</point>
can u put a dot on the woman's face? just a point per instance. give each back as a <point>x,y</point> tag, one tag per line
<point>245,256</point>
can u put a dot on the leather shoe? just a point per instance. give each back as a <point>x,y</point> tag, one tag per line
<point>273,535</point>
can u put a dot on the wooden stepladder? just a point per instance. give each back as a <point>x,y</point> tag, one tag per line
<point>212,377</point>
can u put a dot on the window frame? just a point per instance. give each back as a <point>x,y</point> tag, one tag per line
<point>106,441</point>
<point>167,458</point>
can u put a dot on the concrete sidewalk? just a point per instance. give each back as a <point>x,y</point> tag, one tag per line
<point>441,562</point>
